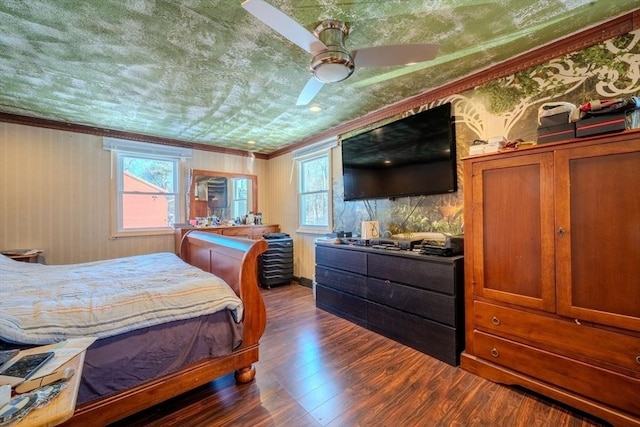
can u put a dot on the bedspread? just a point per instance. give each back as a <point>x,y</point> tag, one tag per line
<point>41,304</point>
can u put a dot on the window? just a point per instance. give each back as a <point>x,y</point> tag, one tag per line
<point>145,190</point>
<point>314,186</point>
<point>240,195</point>
<point>314,180</point>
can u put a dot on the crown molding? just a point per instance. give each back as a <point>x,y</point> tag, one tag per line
<point>91,130</point>
<point>571,43</point>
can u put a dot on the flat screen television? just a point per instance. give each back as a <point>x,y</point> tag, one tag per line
<point>415,155</point>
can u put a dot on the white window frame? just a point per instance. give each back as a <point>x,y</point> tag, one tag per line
<point>314,152</point>
<point>124,148</point>
<point>236,200</point>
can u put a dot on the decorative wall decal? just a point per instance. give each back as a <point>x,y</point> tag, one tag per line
<point>503,107</point>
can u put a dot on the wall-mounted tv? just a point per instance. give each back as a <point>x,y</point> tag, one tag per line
<point>415,155</point>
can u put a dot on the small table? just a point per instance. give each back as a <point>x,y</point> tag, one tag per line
<point>61,407</point>
<point>24,255</point>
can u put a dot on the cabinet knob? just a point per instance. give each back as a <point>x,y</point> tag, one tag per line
<point>495,352</point>
<point>638,359</point>
<point>495,320</point>
<point>560,231</point>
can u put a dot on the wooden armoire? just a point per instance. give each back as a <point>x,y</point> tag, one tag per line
<point>552,272</point>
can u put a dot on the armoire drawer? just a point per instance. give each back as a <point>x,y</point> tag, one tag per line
<point>608,387</point>
<point>569,337</point>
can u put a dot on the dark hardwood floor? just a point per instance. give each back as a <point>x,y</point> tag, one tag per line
<point>317,369</point>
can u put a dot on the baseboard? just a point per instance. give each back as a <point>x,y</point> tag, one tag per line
<point>308,283</point>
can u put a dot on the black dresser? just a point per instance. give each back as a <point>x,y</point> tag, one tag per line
<point>411,298</point>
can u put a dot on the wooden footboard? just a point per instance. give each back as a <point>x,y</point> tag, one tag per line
<point>234,260</point>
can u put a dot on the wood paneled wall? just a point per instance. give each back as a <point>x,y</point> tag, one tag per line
<point>54,194</point>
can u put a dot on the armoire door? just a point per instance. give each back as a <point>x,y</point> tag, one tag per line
<point>513,234</point>
<point>598,233</point>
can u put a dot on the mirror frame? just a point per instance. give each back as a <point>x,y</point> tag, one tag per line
<point>193,173</point>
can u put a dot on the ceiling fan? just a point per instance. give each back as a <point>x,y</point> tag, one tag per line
<point>331,61</point>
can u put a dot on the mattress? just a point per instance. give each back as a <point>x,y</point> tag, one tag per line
<point>42,304</point>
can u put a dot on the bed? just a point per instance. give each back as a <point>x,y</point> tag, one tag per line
<point>173,347</point>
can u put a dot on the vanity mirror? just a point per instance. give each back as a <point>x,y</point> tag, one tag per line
<point>221,194</point>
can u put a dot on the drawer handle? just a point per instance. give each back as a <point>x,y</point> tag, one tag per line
<point>495,352</point>
<point>387,282</point>
<point>495,320</point>
<point>638,359</point>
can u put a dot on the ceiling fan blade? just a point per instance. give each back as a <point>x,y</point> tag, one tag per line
<point>310,90</point>
<point>284,25</point>
<point>398,54</point>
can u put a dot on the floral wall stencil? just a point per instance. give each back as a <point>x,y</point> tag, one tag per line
<point>505,107</point>
<point>607,70</point>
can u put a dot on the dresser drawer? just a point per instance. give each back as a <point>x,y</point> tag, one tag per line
<point>343,259</point>
<point>429,337</point>
<point>421,273</point>
<point>341,304</point>
<point>431,305</point>
<point>568,338</point>
<point>242,232</point>
<point>341,280</point>
<point>609,387</point>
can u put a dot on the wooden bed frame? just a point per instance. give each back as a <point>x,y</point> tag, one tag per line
<point>236,261</point>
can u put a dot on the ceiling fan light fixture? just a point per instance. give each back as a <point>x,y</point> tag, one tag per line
<point>335,63</point>
<point>331,67</point>
<point>331,61</point>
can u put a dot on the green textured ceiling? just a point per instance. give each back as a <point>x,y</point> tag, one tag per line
<point>209,72</point>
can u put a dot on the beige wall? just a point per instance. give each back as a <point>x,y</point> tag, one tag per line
<point>284,208</point>
<point>54,194</point>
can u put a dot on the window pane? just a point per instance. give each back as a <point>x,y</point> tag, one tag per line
<point>240,196</point>
<point>314,185</point>
<point>314,209</point>
<point>314,175</point>
<point>240,206</point>
<point>147,211</point>
<point>240,189</point>
<point>146,192</point>
<point>149,175</point>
